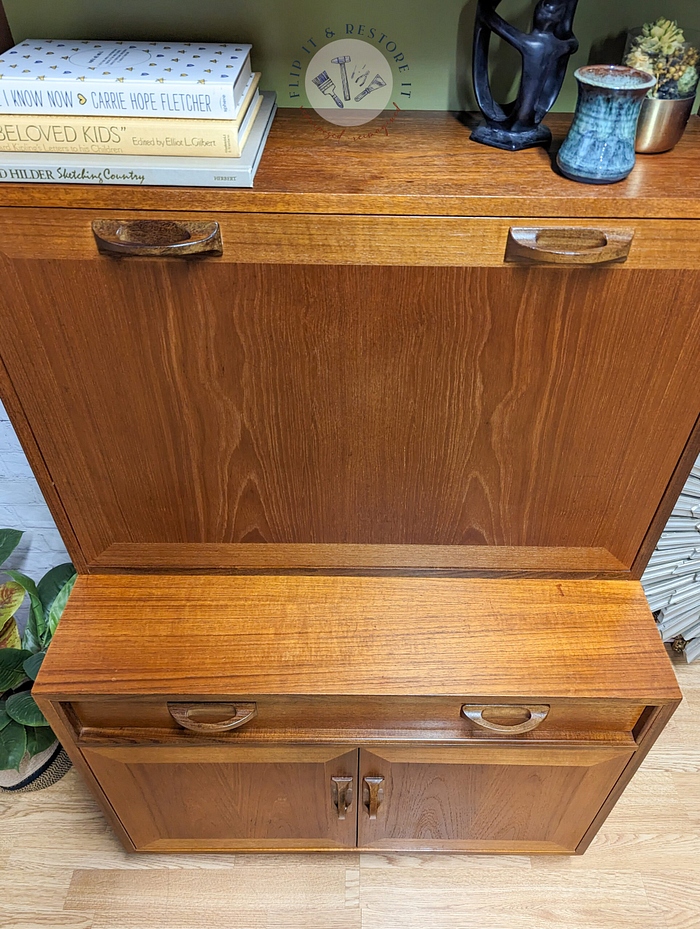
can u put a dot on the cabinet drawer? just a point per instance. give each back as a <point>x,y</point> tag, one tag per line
<point>439,241</point>
<point>310,718</point>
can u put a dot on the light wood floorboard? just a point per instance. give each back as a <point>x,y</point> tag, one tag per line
<point>61,868</point>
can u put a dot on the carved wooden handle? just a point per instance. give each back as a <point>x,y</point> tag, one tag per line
<point>372,794</point>
<point>238,715</point>
<point>538,714</point>
<point>164,238</point>
<point>341,794</point>
<point>567,245</point>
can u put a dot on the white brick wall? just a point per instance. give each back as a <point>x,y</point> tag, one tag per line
<point>22,507</point>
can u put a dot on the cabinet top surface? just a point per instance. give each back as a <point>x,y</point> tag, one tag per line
<point>200,635</point>
<point>426,164</point>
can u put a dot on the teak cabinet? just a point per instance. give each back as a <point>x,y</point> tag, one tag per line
<point>179,798</point>
<point>343,712</point>
<point>369,486</point>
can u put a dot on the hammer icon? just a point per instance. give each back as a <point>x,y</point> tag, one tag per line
<point>343,74</point>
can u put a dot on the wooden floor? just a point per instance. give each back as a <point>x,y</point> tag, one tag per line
<point>60,866</point>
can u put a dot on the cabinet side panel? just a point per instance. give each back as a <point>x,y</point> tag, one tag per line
<point>66,732</point>
<point>650,732</point>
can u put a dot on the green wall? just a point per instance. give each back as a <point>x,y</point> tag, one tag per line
<point>434,35</point>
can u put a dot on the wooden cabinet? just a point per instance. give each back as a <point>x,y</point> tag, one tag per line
<point>388,468</point>
<point>480,798</point>
<point>267,393</point>
<point>386,701</point>
<point>172,798</point>
<point>523,799</point>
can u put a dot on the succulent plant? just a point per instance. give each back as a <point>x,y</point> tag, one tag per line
<point>660,49</point>
<point>662,37</point>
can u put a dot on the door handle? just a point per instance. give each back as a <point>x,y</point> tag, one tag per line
<point>567,245</point>
<point>159,238</point>
<point>372,794</point>
<point>538,714</point>
<point>341,794</point>
<point>238,715</point>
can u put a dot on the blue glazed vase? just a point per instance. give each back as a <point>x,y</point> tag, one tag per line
<point>599,148</point>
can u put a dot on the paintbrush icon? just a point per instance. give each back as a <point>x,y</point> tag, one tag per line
<point>327,87</point>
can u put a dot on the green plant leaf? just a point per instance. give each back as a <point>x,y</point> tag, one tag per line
<point>23,709</point>
<point>9,635</point>
<point>4,718</point>
<point>13,745</point>
<point>31,665</point>
<point>51,584</point>
<point>36,610</point>
<point>30,639</point>
<point>9,540</point>
<point>11,670</point>
<point>11,597</point>
<point>59,606</point>
<point>39,739</point>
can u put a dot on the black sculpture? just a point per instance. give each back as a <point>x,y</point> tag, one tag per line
<point>545,53</point>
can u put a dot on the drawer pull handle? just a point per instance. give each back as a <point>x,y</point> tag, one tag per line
<point>160,238</point>
<point>240,713</point>
<point>538,714</point>
<point>341,794</point>
<point>372,794</point>
<point>567,245</point>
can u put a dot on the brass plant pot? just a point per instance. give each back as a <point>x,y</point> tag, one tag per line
<point>662,123</point>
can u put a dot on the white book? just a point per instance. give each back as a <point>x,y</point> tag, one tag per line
<point>156,170</point>
<point>183,80</point>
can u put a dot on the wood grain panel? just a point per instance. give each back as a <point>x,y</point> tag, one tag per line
<point>427,165</point>
<point>256,238</point>
<point>348,405</point>
<point>655,723</point>
<point>395,560</point>
<point>530,641</point>
<point>271,799</point>
<point>305,717</point>
<point>488,802</point>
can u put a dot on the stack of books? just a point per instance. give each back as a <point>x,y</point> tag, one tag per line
<point>672,578</point>
<point>165,113</point>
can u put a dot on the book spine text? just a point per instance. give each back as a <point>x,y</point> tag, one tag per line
<point>180,101</point>
<point>57,172</point>
<point>128,136</point>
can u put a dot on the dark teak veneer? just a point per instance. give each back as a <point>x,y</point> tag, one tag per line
<point>360,486</point>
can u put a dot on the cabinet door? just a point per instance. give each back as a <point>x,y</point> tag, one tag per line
<point>518,799</point>
<point>216,798</point>
<point>385,412</point>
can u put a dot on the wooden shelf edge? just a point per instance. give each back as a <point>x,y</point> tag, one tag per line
<point>427,166</point>
<point>370,560</point>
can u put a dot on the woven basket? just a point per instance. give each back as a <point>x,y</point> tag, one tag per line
<point>38,772</point>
